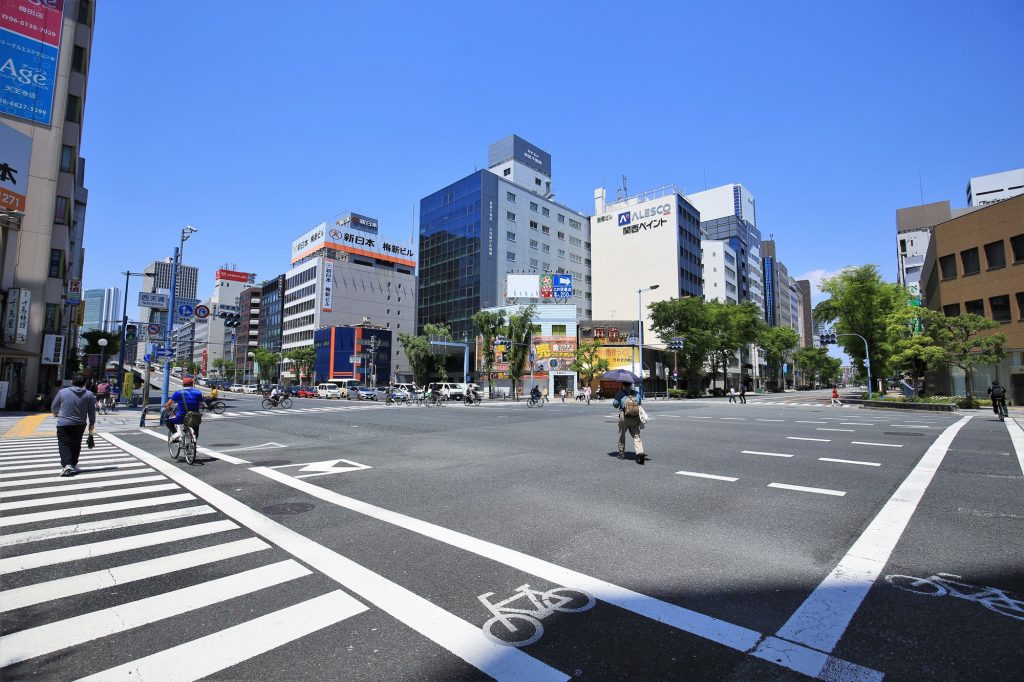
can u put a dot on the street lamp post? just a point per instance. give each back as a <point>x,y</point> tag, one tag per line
<point>102,343</point>
<point>255,367</point>
<point>640,323</point>
<point>186,232</point>
<point>124,318</point>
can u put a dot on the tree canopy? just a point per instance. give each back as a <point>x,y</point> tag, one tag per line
<point>588,364</point>
<point>489,325</point>
<point>520,331</point>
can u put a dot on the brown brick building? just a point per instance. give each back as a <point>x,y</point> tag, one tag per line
<point>975,264</point>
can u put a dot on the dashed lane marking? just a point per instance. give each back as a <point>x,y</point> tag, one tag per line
<point>822,428</point>
<point>767,454</point>
<point>819,440</point>
<point>849,461</point>
<point>805,489</point>
<point>877,445</point>
<point>714,477</point>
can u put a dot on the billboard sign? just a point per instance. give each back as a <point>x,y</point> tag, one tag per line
<point>15,154</point>
<point>359,222</point>
<point>233,276</point>
<point>328,286</point>
<point>522,286</point>
<point>158,301</point>
<point>29,51</point>
<point>608,332</point>
<point>562,286</point>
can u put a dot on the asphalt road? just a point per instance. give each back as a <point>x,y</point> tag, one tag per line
<point>357,541</point>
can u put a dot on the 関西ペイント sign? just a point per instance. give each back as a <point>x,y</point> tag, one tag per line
<point>29,51</point>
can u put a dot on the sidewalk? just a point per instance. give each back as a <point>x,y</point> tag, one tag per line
<point>44,424</point>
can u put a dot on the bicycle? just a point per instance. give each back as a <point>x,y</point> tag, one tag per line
<point>437,400</point>
<point>473,399</point>
<point>186,443</point>
<point>1000,409</point>
<point>940,585</point>
<point>399,398</point>
<point>270,403</point>
<point>535,402</point>
<point>215,406</point>
<point>517,627</point>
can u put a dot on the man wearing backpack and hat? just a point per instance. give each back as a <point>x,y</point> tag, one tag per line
<point>627,400</point>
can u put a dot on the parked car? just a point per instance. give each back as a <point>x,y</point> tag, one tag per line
<point>251,389</point>
<point>328,391</point>
<point>359,392</point>
<point>305,392</point>
<point>237,388</point>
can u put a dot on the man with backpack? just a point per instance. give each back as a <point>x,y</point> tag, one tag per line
<point>182,402</point>
<point>628,400</point>
<point>997,392</point>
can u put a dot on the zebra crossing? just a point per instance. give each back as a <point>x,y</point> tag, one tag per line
<point>232,413</point>
<point>73,547</point>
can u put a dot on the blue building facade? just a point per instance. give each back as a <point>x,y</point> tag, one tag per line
<point>335,347</point>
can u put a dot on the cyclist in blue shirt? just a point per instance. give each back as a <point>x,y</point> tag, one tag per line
<point>185,400</point>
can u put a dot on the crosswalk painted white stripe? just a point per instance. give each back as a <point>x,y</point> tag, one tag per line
<point>61,588</point>
<point>84,469</point>
<point>89,510</point>
<point>56,464</point>
<point>7,494</point>
<point>207,655</point>
<point>82,497</point>
<point>106,524</point>
<point>89,476</point>
<point>94,549</point>
<point>46,639</point>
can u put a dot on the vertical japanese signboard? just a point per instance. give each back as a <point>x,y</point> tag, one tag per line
<point>328,286</point>
<point>11,315</point>
<point>29,52</point>
<point>15,154</point>
<point>24,307</point>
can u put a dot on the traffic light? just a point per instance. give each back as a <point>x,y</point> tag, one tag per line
<point>131,333</point>
<point>677,343</point>
<point>827,338</point>
<point>230,319</point>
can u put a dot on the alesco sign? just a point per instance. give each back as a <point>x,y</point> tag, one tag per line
<point>628,217</point>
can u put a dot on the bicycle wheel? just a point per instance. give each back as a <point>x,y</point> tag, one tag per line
<point>173,448</point>
<point>188,441</point>
<point>286,403</point>
<point>568,600</point>
<point>916,585</point>
<point>513,629</point>
<point>217,407</point>
<point>267,404</point>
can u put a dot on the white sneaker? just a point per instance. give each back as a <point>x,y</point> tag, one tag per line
<point>176,437</point>
<point>66,471</point>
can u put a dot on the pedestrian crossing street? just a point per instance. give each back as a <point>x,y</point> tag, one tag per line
<point>118,551</point>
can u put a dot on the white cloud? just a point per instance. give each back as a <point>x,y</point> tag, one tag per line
<point>815,277</point>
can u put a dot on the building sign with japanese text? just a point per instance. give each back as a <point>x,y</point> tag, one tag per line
<point>11,315</point>
<point>233,276</point>
<point>24,309</point>
<point>29,52</point>
<point>15,154</point>
<point>328,287</point>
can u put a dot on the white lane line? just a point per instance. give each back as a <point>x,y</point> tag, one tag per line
<point>205,451</point>
<point>55,464</point>
<point>771,420</point>
<point>736,637</point>
<point>63,634</point>
<point>805,489</point>
<point>200,658</point>
<point>804,421</point>
<point>82,497</point>
<point>856,423</point>
<point>908,426</point>
<point>819,440</point>
<point>77,512</point>
<point>6,494</point>
<point>107,524</point>
<point>877,445</point>
<point>458,636</point>
<point>850,461</point>
<point>1017,438</point>
<point>825,428</point>
<point>735,419</point>
<point>824,616</point>
<point>715,477</point>
<point>691,416</point>
<point>61,588</point>
<point>101,472</point>
<point>768,454</point>
<point>94,549</point>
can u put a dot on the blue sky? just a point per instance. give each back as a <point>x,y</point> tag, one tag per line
<point>254,121</point>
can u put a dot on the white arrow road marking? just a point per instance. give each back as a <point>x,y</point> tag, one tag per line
<point>324,468</point>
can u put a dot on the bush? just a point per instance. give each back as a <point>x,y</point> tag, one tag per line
<point>676,393</point>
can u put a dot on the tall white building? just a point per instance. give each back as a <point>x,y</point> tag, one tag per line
<point>102,309</point>
<point>718,267</point>
<point>989,189</point>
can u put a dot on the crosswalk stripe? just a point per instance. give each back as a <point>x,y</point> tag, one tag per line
<point>42,459</point>
<point>82,497</point>
<point>63,634</point>
<point>90,476</point>
<point>7,494</point>
<point>62,588</point>
<point>207,655</point>
<point>94,549</point>
<point>106,524</point>
<point>110,467</point>
<point>77,512</point>
<point>56,463</point>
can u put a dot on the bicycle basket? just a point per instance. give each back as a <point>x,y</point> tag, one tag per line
<point>192,420</point>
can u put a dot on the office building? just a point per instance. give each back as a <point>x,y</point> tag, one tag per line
<point>718,269</point>
<point>496,222</point>
<point>989,189</point>
<point>779,297</point>
<point>807,336</point>
<point>271,312</point>
<point>243,336</point>
<point>914,226</point>
<point>102,310</point>
<point>554,350</point>
<point>343,274</point>
<point>655,237</point>
<point>42,216</point>
<point>975,264</point>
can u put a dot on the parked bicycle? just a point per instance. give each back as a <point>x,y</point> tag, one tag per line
<point>941,584</point>
<point>521,626</point>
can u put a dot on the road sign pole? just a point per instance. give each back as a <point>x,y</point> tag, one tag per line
<point>164,389</point>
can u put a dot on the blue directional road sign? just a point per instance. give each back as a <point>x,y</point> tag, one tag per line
<point>185,310</point>
<point>164,352</point>
<point>147,357</point>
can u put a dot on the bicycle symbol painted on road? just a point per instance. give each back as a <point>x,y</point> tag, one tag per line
<point>940,585</point>
<point>521,626</point>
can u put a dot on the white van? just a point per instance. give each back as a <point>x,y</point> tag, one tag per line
<point>328,391</point>
<point>344,385</point>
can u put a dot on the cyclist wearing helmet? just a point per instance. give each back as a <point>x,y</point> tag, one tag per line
<point>185,400</point>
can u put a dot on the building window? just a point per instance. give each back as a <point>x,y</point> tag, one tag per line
<point>51,323</point>
<point>511,236</point>
<point>1000,306</point>
<point>507,172</point>
<point>545,211</point>
<point>547,267</point>
<point>1017,246</point>
<point>575,241</point>
<point>510,257</point>
<point>951,310</point>
<point>56,261</point>
<point>62,211</point>
<point>947,264</point>
<point>74,109</point>
<point>511,197</point>
<point>533,225</point>
<point>546,248</point>
<point>67,159</point>
<point>970,261</point>
<point>558,330</point>
<point>561,235</point>
<point>533,262</point>
<point>995,255</point>
<point>533,243</point>
<point>78,59</point>
<point>511,216</point>
<point>561,253</point>
<point>575,258</point>
<point>977,307</point>
<point>534,206</point>
<point>575,223</point>
<point>1020,305</point>
<point>85,12</point>
<point>545,229</point>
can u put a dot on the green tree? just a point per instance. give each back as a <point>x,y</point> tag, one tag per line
<point>267,361</point>
<point>302,359</point>
<point>419,356</point>
<point>520,332</point>
<point>588,364</point>
<point>816,363</point>
<point>92,346</point>
<point>438,332</point>
<point>224,366</point>
<point>915,349</point>
<point>489,324</point>
<point>729,328</point>
<point>777,343</point>
<point>686,317</point>
<point>861,303</point>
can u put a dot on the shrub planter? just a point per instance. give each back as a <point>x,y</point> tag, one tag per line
<point>896,405</point>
